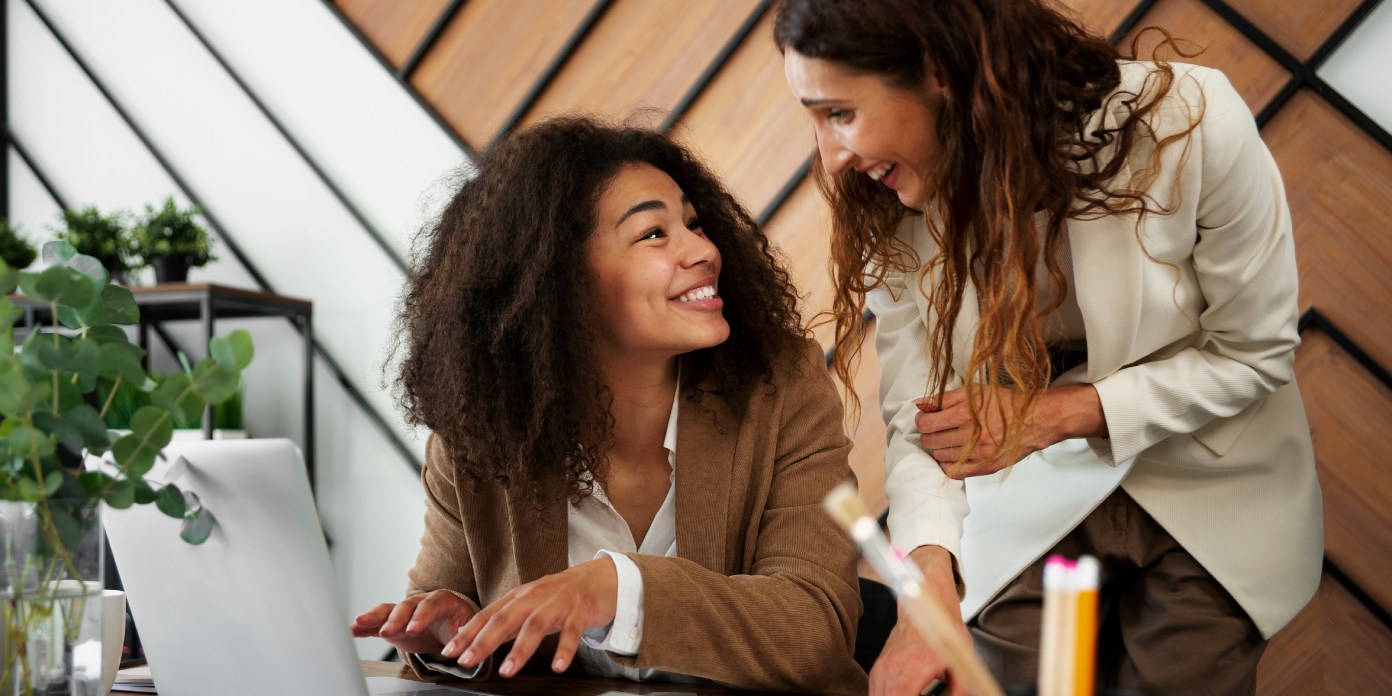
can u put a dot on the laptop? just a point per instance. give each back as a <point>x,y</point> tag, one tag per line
<point>255,608</point>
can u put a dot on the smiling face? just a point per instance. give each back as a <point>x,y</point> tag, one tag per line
<point>655,272</point>
<point>864,124</point>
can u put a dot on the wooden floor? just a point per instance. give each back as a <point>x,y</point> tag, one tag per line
<point>492,65</point>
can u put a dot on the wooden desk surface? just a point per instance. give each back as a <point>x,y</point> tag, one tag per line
<point>545,685</point>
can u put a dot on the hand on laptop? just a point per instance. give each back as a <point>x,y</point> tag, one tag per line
<point>421,623</point>
<point>569,602</point>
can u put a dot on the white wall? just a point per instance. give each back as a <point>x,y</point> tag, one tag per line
<point>1358,68</point>
<point>356,124</point>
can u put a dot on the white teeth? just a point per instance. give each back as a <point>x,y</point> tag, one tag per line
<point>880,170</point>
<point>704,292</point>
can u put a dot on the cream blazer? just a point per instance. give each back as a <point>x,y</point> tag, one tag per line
<point>1206,428</point>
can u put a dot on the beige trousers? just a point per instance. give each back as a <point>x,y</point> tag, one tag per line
<point>1165,626</point>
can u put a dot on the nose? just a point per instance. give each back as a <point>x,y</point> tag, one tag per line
<point>698,250</point>
<point>836,159</point>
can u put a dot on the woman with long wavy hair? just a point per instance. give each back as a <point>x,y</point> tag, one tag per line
<point>630,435</point>
<point>1084,287</point>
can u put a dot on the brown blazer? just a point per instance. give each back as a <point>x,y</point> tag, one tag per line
<point>763,592</point>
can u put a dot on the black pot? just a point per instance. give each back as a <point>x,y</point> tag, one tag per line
<point>171,269</point>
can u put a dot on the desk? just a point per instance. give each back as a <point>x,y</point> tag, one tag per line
<point>539,685</point>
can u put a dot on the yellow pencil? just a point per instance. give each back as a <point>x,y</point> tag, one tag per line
<point>1086,580</point>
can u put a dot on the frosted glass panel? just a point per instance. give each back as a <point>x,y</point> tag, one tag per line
<point>1358,69</point>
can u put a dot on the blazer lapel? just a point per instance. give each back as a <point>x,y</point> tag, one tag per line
<point>706,436</point>
<point>539,537</point>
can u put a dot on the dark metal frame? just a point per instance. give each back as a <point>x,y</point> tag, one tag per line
<point>407,454</point>
<point>5,110</point>
<point>338,193</point>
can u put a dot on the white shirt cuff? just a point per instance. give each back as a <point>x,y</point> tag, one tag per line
<point>452,668</point>
<point>626,633</point>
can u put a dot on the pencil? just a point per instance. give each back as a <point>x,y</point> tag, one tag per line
<point>1086,579</point>
<point>923,610</point>
<point>1051,626</point>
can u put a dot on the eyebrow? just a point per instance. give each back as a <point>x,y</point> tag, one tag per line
<point>810,103</point>
<point>647,205</point>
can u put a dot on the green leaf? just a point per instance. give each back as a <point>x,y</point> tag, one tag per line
<point>29,490</point>
<point>118,305</point>
<point>93,481</point>
<point>17,394</point>
<point>28,443</point>
<point>95,437</point>
<point>123,360</point>
<point>64,286</point>
<point>60,428</point>
<point>198,526</point>
<point>9,278</point>
<point>151,430</point>
<point>90,267</point>
<point>144,494</point>
<point>9,314</point>
<point>58,252</point>
<point>105,333</point>
<point>70,529</point>
<point>120,495</point>
<point>234,350</point>
<point>171,501</point>
<point>81,317</point>
<point>52,481</point>
<point>177,396</point>
<point>213,382</point>
<point>82,359</point>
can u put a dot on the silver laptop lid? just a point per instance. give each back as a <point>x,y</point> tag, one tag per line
<point>255,609</point>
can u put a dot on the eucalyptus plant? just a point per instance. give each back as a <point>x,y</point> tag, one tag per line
<point>49,395</point>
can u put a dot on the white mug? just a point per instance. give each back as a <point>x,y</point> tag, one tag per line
<point>113,635</point>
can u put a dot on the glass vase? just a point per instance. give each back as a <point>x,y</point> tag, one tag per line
<point>51,586</point>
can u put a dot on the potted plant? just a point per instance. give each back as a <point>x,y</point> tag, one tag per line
<point>102,237</point>
<point>171,241</point>
<point>50,538</point>
<point>15,249</point>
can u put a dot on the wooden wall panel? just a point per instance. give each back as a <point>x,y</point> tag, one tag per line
<point>747,124</point>
<point>488,58</point>
<point>801,232</point>
<point>618,68</point>
<point>1351,421</point>
<point>1299,26</point>
<point>394,27</point>
<point>1339,183</point>
<point>1257,76</point>
<point>1101,17</point>
<point>1333,647</point>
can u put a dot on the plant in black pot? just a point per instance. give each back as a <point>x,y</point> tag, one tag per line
<point>102,237</point>
<point>171,241</point>
<point>15,249</point>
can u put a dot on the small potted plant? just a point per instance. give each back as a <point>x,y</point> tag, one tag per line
<point>102,237</point>
<point>15,248</point>
<point>171,241</point>
<point>50,500</point>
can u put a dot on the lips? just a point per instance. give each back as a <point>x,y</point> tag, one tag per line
<point>880,171</point>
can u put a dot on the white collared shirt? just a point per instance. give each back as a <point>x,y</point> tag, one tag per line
<point>596,529</point>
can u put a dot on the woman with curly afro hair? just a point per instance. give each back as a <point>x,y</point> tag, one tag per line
<point>630,438</point>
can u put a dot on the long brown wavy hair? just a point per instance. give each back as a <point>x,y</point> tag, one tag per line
<point>1021,82</point>
<point>496,325</point>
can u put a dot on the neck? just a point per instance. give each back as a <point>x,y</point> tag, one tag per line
<point>643,392</point>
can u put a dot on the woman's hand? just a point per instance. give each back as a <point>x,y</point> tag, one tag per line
<point>421,623</point>
<point>569,602</point>
<point>907,664</point>
<point>1061,413</point>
